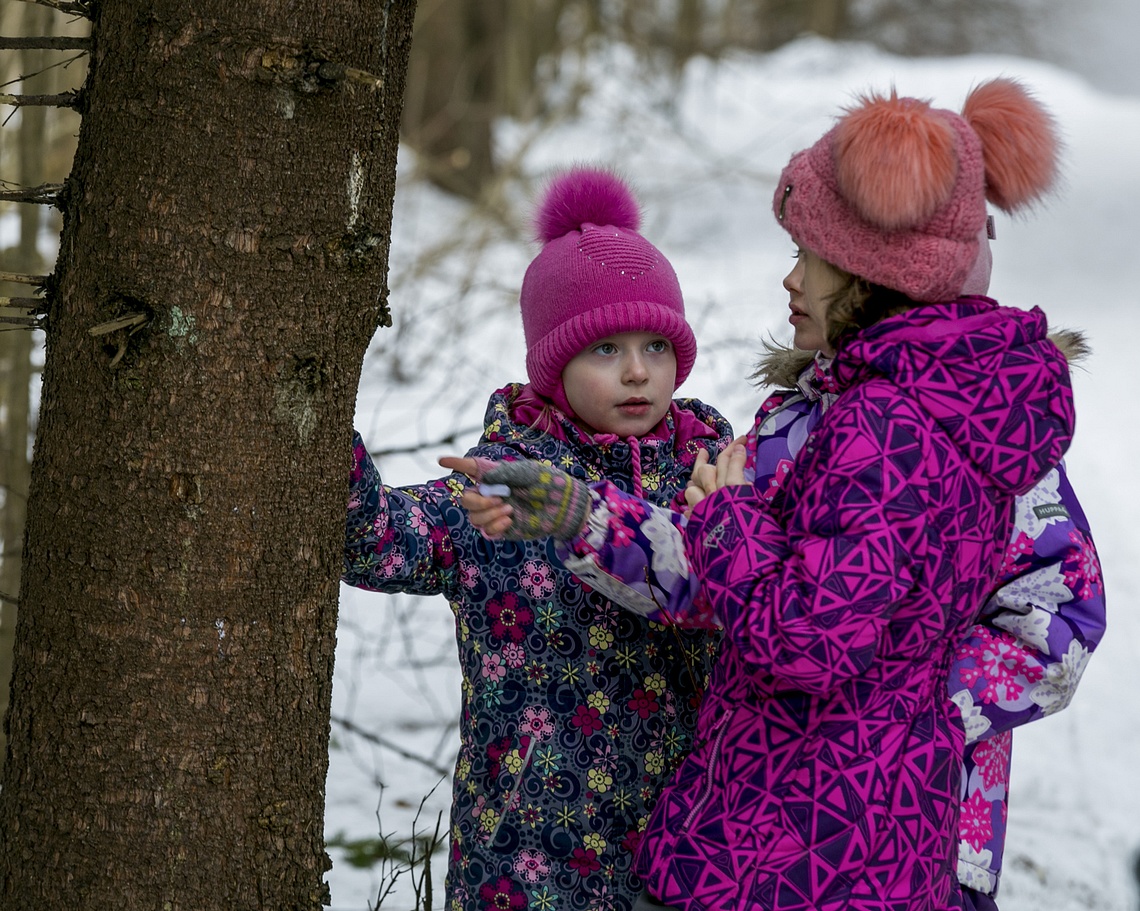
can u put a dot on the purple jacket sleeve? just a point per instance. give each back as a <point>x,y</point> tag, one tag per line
<point>634,553</point>
<point>1025,656</point>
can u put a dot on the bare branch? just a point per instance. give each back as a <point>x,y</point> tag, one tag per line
<point>46,194</point>
<point>389,745</point>
<point>120,322</point>
<point>22,279</point>
<point>23,303</point>
<point>21,322</point>
<point>47,43</point>
<point>62,100</point>
<point>75,7</point>
<point>6,597</point>
<point>58,64</point>
<point>448,440</point>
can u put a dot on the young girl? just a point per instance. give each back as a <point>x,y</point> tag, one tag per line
<point>826,769</point>
<point>1023,659</point>
<point>574,713</point>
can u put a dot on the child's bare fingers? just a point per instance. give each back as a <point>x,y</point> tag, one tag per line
<point>734,470</point>
<point>730,464</point>
<point>492,515</point>
<point>473,500</point>
<point>465,466</point>
<point>495,527</point>
<point>701,460</point>
<point>704,479</point>
<point>694,495</point>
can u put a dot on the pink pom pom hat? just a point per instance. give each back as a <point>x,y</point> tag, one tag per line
<point>896,191</point>
<point>594,277</point>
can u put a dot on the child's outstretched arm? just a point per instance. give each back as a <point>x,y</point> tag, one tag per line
<point>626,548</point>
<point>401,538</point>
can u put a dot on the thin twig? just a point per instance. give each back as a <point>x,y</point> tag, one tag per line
<point>119,322</point>
<point>22,322</point>
<point>4,596</point>
<point>61,100</point>
<point>23,77</point>
<point>76,7</point>
<point>361,77</point>
<point>420,447</point>
<point>46,194</point>
<point>389,745</point>
<point>21,278</point>
<point>23,303</point>
<point>47,43</point>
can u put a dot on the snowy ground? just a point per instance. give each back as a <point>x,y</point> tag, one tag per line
<point>704,154</point>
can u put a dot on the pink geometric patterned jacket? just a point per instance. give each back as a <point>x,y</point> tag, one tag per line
<point>826,768</point>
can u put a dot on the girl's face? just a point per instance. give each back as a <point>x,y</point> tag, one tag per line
<point>622,384</point>
<point>811,283</point>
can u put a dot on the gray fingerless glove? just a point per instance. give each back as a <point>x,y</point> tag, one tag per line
<point>546,501</point>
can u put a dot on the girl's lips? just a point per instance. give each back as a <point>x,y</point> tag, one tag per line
<point>634,407</point>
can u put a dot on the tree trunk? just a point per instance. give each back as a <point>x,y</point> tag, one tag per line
<point>230,205</point>
<point>452,95</point>
<point>828,18</point>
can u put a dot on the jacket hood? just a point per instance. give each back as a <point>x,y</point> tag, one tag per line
<point>989,375</point>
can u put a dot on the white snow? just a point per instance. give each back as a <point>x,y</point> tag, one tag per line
<point>703,153</point>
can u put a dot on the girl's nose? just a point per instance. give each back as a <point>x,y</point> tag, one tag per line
<point>793,281</point>
<point>635,369</point>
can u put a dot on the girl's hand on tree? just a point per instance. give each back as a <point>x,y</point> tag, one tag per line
<point>727,472</point>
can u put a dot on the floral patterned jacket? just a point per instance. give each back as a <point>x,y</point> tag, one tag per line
<point>1020,662</point>
<point>574,713</point>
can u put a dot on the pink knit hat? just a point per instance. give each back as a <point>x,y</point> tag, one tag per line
<point>595,276</point>
<point>896,192</point>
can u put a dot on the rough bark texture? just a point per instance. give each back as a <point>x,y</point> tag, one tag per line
<point>169,722</point>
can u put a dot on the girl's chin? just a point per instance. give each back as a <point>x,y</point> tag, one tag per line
<point>807,341</point>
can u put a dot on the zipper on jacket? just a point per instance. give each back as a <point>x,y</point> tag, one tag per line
<point>514,790</point>
<point>710,770</point>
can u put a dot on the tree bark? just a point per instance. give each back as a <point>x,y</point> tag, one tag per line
<point>169,717</point>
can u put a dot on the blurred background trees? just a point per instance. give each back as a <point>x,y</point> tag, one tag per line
<point>37,143</point>
<point>477,60</point>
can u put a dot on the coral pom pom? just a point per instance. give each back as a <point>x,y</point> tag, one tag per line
<point>585,196</point>
<point>1020,145</point>
<point>895,160</point>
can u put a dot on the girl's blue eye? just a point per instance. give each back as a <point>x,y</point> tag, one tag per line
<point>658,346</point>
<point>606,348</point>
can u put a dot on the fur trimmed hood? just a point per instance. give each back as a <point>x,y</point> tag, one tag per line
<point>780,366</point>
